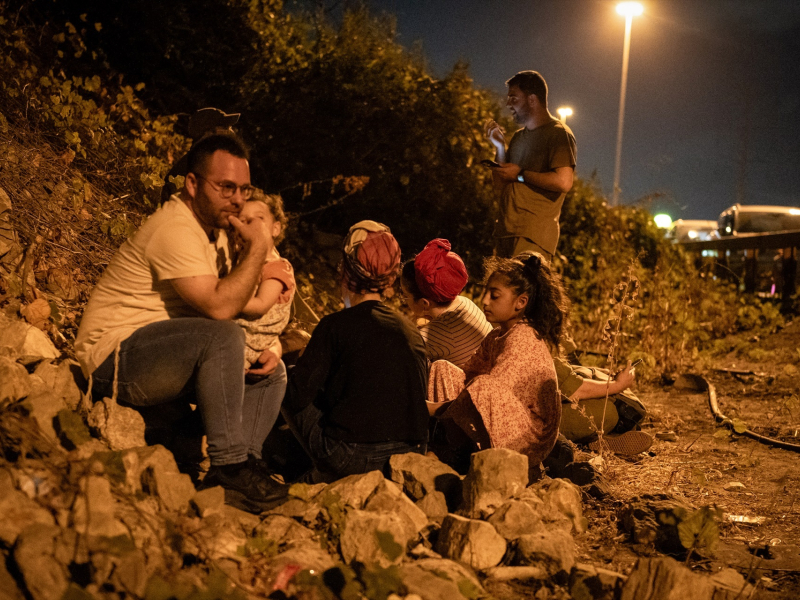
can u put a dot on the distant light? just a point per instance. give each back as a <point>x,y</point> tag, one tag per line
<point>630,9</point>
<point>662,221</point>
<point>794,211</point>
<point>691,234</point>
<point>564,112</point>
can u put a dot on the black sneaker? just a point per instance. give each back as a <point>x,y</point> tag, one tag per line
<point>246,489</point>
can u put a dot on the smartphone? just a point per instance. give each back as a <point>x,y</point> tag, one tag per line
<point>490,163</point>
<point>635,364</point>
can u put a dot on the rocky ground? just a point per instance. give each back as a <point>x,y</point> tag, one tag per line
<point>90,511</point>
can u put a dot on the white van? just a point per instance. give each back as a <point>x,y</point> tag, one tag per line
<point>741,218</point>
<point>691,230</point>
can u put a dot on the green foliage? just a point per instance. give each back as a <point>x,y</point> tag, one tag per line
<point>699,531</point>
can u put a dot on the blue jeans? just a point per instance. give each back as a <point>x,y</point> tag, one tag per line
<point>335,458</point>
<point>200,361</point>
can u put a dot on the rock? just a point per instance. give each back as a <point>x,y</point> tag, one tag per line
<point>209,501</point>
<point>283,530</point>
<point>516,573</point>
<point>494,476</point>
<point>244,520</point>
<point>65,380</point>
<point>43,407</point>
<point>734,486</point>
<point>653,519</point>
<point>14,381</point>
<point>373,537</point>
<point>440,579</point>
<point>515,518</point>
<point>551,549</point>
<point>18,510</point>
<point>420,475</point>
<point>355,490</point>
<point>7,582</point>
<point>120,426</point>
<point>215,537</point>
<point>470,541</point>
<point>587,582</point>
<point>428,585</point>
<point>295,508</point>
<point>667,436</point>
<point>94,509</point>
<point>71,430</point>
<point>175,490</point>
<point>561,500</point>
<point>390,498</point>
<point>12,336</point>
<point>306,554</point>
<point>434,505</point>
<point>36,347</point>
<point>666,579</point>
<point>44,575</point>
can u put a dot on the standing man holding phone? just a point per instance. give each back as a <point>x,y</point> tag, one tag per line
<point>536,170</point>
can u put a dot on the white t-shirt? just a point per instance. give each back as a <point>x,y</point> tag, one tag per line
<point>135,289</point>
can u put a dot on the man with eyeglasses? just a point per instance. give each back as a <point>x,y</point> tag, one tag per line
<point>157,330</point>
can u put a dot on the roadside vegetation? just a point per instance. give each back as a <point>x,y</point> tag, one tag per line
<point>343,121</point>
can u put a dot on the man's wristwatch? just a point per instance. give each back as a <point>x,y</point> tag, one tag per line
<point>520,178</point>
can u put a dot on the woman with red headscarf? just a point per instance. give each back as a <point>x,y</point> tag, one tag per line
<point>357,394</point>
<point>431,284</point>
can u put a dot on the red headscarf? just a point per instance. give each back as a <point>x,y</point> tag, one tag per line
<point>371,257</point>
<point>439,273</point>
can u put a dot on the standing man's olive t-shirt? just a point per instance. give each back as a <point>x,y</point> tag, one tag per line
<point>526,210</point>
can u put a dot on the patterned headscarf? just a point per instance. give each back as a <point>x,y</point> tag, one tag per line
<point>371,257</point>
<point>440,274</point>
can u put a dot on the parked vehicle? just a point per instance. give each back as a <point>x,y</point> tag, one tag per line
<point>688,230</point>
<point>742,218</point>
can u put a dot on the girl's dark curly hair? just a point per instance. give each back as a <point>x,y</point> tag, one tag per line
<point>548,305</point>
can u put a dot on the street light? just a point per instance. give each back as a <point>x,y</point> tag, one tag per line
<point>564,112</point>
<point>627,10</point>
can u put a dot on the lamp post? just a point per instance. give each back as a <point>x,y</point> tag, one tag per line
<point>564,112</point>
<point>627,10</point>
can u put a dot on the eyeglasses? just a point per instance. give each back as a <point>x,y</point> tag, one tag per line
<point>227,189</point>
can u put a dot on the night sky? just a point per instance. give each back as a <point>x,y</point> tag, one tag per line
<point>713,102</point>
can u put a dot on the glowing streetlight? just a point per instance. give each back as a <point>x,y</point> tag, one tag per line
<point>662,221</point>
<point>627,10</point>
<point>564,112</point>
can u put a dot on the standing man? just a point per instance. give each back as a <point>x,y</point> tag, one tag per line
<point>157,328</point>
<point>535,172</point>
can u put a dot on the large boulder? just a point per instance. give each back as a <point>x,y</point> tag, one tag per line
<point>373,538</point>
<point>121,427</point>
<point>390,498</point>
<point>494,476</point>
<point>43,406</point>
<point>587,582</point>
<point>64,380</point>
<point>515,518</point>
<point>94,509</point>
<point>353,490</point>
<point>560,501</point>
<point>420,475</point>
<point>434,505</point>
<point>35,553</point>
<point>551,549</point>
<point>14,381</point>
<point>473,542</point>
<point>664,578</point>
<point>440,579</point>
<point>18,510</point>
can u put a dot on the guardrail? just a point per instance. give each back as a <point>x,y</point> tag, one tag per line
<point>751,244</point>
